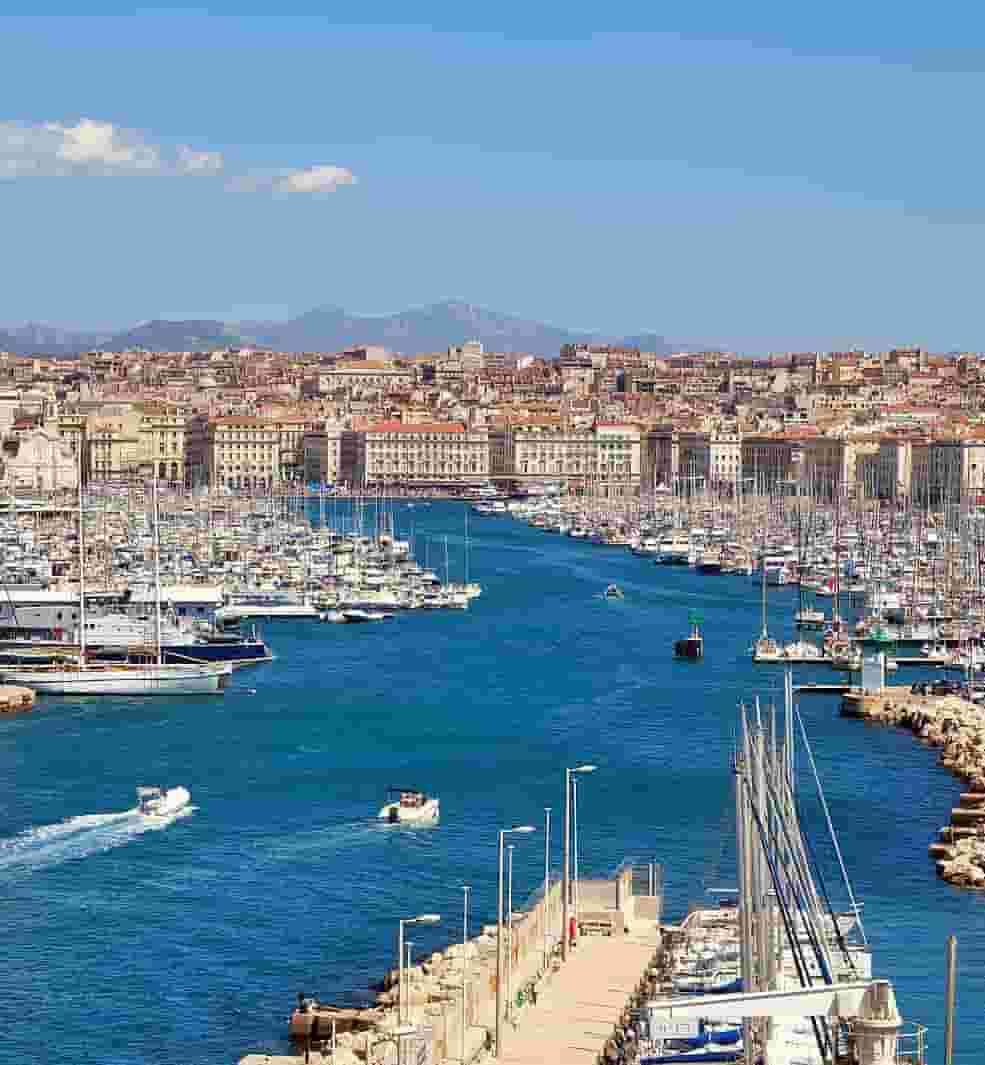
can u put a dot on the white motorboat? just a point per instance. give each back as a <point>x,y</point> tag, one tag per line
<point>161,802</point>
<point>410,807</point>
<point>613,591</point>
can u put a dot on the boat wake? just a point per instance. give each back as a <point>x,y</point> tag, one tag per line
<point>79,837</point>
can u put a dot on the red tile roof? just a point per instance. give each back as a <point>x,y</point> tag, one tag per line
<point>421,427</point>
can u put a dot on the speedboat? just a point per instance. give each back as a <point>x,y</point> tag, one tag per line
<point>410,807</point>
<point>160,802</point>
<point>613,592</point>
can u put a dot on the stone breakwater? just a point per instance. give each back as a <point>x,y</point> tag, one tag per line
<point>957,729</point>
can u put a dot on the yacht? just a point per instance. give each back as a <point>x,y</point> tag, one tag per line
<point>83,677</point>
<point>410,807</point>
<point>266,604</point>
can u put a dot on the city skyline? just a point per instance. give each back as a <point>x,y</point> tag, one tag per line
<point>753,181</point>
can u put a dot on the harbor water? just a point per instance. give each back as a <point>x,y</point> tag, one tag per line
<point>185,941</point>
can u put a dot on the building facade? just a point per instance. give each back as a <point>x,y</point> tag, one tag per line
<point>425,453</point>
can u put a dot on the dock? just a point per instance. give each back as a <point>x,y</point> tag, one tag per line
<point>822,689</point>
<point>575,1017</point>
<point>564,1014</point>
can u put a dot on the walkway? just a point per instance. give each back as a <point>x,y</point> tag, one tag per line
<point>574,1016</point>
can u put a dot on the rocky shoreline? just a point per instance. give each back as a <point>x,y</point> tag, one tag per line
<point>957,728</point>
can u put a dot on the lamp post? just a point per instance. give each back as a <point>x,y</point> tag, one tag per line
<point>424,918</point>
<point>465,965</point>
<point>567,852</point>
<point>547,881</point>
<point>503,833</point>
<point>509,931</point>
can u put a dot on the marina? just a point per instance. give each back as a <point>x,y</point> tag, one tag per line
<point>294,775</point>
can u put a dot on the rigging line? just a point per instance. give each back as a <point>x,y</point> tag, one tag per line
<point>816,866</point>
<point>821,1035</point>
<point>831,829</point>
<point>803,877</point>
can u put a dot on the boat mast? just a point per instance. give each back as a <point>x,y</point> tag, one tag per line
<point>82,567</point>
<point>157,574</point>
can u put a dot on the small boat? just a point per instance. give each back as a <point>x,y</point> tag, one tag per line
<point>353,617</point>
<point>613,592</point>
<point>160,802</point>
<point>410,807</point>
<point>692,646</point>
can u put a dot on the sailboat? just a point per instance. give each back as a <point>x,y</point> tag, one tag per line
<point>765,649</point>
<point>95,678</point>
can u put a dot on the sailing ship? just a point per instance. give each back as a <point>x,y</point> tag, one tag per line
<point>85,677</point>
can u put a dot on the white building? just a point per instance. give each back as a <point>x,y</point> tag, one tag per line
<point>37,461</point>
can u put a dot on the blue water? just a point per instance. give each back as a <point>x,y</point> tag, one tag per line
<point>187,944</point>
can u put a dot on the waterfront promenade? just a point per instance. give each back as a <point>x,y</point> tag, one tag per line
<point>575,1014</point>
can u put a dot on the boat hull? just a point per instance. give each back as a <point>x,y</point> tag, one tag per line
<point>152,680</point>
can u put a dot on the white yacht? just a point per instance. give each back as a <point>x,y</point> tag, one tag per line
<point>266,604</point>
<point>160,802</point>
<point>82,677</point>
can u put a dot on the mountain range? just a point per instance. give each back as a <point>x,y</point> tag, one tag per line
<point>420,329</point>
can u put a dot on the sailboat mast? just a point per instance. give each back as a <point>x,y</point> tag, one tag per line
<point>157,574</point>
<point>82,566</point>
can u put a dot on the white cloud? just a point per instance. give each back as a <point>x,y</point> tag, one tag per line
<point>314,180</point>
<point>102,149</point>
<point>90,147</point>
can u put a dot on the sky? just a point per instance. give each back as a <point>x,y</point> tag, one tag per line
<point>759,176</point>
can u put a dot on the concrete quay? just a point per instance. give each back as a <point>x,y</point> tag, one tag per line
<point>576,1015</point>
<point>574,1009</point>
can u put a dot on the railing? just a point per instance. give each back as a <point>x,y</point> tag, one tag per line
<point>911,1045</point>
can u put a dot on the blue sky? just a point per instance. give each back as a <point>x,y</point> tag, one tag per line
<point>759,176</point>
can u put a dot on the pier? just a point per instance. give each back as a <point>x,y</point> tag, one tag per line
<point>562,1012</point>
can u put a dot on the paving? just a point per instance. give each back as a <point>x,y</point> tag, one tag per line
<point>575,1014</point>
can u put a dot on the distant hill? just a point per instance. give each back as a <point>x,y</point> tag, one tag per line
<point>166,335</point>
<point>35,338</point>
<point>330,328</point>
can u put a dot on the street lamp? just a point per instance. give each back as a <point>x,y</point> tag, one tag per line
<point>545,923</point>
<point>424,918</point>
<point>567,852</point>
<point>509,931</point>
<point>465,965</point>
<point>503,833</point>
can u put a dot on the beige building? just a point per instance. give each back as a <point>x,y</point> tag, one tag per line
<point>606,458</point>
<point>369,375</point>
<point>162,442</point>
<point>113,443</point>
<point>772,462</point>
<point>322,450</point>
<point>425,453</point>
<point>37,461</point>
<point>239,453</point>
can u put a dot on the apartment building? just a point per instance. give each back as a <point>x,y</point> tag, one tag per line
<point>161,441</point>
<point>606,457</point>
<point>425,453</point>
<point>332,454</point>
<point>369,375</point>
<point>236,452</point>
